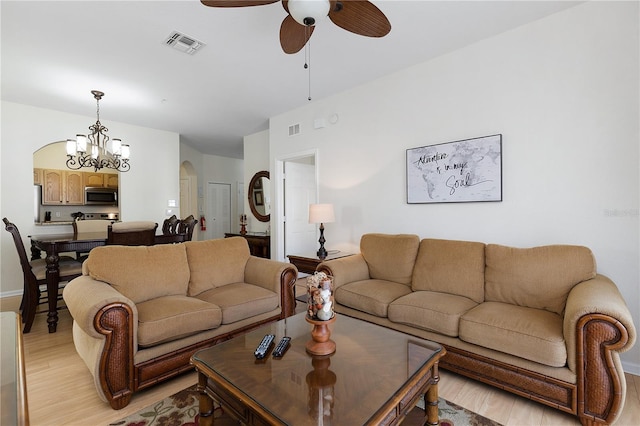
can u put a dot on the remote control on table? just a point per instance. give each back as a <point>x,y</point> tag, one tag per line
<point>282,347</point>
<point>263,347</point>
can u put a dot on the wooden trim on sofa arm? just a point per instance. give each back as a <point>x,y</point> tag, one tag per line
<point>287,296</point>
<point>115,322</point>
<point>599,384</point>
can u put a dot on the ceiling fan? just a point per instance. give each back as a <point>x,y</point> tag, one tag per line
<point>357,16</point>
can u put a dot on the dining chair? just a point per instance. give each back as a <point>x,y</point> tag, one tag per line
<point>80,226</point>
<point>135,233</point>
<point>187,225</point>
<point>170,225</point>
<point>35,277</point>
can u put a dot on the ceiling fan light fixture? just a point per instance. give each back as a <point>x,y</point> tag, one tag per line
<point>308,12</point>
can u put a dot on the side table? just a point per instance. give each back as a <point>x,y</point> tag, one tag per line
<point>307,264</point>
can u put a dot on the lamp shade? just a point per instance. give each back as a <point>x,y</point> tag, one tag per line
<point>321,213</point>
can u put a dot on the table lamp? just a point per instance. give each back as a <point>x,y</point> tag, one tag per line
<point>321,213</point>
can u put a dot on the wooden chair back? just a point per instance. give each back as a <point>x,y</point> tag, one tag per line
<point>141,233</point>
<point>187,225</point>
<point>91,225</point>
<point>170,225</point>
<point>34,275</point>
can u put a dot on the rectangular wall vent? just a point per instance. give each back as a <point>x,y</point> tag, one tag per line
<point>294,129</point>
<point>183,43</point>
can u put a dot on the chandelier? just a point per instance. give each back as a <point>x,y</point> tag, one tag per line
<point>96,149</point>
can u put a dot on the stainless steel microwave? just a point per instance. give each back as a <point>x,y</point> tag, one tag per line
<point>100,196</point>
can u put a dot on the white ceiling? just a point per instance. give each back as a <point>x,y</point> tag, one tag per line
<point>55,52</point>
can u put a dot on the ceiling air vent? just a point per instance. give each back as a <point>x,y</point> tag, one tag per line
<point>183,43</point>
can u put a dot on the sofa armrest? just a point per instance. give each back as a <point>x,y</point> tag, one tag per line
<point>345,269</point>
<point>107,336</point>
<point>85,296</point>
<point>276,276</point>
<point>597,327</point>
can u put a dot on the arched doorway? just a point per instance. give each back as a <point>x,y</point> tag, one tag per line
<point>189,194</point>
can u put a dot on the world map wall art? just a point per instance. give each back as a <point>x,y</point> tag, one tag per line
<point>456,172</point>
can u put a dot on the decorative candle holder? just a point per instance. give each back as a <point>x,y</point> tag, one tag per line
<point>243,224</point>
<point>320,313</point>
<point>320,343</point>
<point>320,297</point>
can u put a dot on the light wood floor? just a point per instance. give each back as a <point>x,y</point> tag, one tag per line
<point>61,390</point>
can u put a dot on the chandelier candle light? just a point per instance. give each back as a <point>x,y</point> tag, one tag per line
<point>96,150</point>
<point>321,213</point>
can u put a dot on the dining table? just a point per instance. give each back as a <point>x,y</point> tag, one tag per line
<point>54,244</point>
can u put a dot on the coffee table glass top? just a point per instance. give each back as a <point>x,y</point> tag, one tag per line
<point>369,368</point>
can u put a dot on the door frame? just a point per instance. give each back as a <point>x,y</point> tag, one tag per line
<point>277,222</point>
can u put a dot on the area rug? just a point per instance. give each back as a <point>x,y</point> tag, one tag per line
<point>181,409</point>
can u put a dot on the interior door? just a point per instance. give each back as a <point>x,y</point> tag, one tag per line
<point>300,236</point>
<point>218,214</point>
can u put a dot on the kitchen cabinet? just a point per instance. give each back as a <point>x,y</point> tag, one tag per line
<point>67,186</point>
<point>62,187</point>
<point>111,180</point>
<point>101,180</point>
<point>94,179</point>
<point>37,176</point>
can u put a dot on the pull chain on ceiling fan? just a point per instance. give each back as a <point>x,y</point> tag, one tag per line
<point>357,16</point>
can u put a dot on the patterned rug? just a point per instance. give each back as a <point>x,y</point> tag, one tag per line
<point>181,409</point>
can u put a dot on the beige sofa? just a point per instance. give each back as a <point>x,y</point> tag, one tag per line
<point>139,313</point>
<point>538,322</point>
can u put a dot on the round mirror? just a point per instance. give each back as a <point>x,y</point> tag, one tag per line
<point>259,197</point>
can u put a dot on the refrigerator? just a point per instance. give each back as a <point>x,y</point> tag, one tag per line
<point>37,203</point>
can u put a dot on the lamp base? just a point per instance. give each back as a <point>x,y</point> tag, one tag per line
<point>322,252</point>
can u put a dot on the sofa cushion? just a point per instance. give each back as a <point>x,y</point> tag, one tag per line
<point>371,296</point>
<point>533,334</point>
<point>448,266</point>
<point>141,272</point>
<point>539,277</point>
<point>432,311</point>
<point>172,317</point>
<point>390,257</point>
<point>217,262</point>
<point>241,300</point>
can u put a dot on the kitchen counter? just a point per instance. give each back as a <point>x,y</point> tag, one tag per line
<point>55,222</point>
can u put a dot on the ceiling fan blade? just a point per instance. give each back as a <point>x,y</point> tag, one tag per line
<point>236,3</point>
<point>360,17</point>
<point>293,36</point>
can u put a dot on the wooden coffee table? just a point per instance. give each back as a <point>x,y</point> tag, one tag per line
<point>375,377</point>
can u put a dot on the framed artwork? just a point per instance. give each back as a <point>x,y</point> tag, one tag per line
<point>258,198</point>
<point>469,170</point>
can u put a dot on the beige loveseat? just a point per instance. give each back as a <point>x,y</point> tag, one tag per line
<point>139,313</point>
<point>538,322</point>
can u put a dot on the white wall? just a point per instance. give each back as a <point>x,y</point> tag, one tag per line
<point>144,190</point>
<point>256,158</point>
<point>563,92</point>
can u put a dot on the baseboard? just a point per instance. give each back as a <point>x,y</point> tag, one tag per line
<point>631,368</point>
<point>10,301</point>
<point>11,293</point>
